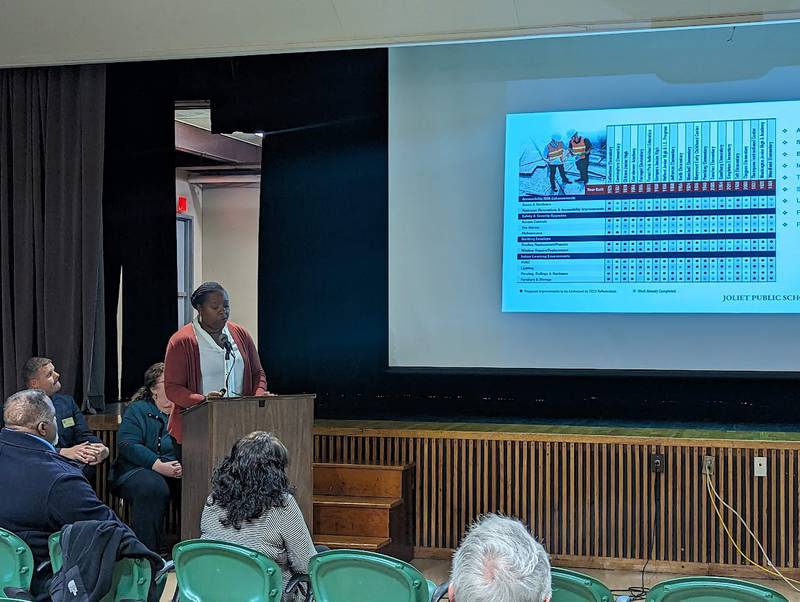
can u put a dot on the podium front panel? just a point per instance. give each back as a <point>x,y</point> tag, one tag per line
<point>210,429</point>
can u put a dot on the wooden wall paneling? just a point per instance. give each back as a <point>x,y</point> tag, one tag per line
<point>719,482</point>
<point>733,484</point>
<point>687,510</point>
<point>704,513</point>
<point>594,549</point>
<point>468,491</point>
<point>549,484</point>
<point>616,496</point>
<point>561,503</point>
<point>572,499</point>
<point>605,514</point>
<point>539,505</point>
<point>792,523</point>
<point>582,501</point>
<point>764,505</point>
<point>446,514</point>
<point>772,475</point>
<point>595,497</point>
<point>629,526</point>
<point>676,522</point>
<point>439,491</point>
<point>418,475</point>
<point>636,485</point>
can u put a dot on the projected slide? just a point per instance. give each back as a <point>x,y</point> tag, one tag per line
<point>685,209</point>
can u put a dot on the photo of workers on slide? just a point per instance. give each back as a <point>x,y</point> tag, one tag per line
<point>562,164</point>
<point>580,147</point>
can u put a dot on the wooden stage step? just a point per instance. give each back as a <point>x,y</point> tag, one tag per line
<point>360,479</point>
<point>348,501</point>
<point>351,542</point>
<point>360,516</point>
<point>364,507</point>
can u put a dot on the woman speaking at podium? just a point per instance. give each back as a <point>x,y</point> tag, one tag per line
<point>210,357</point>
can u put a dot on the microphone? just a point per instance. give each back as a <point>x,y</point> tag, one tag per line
<point>226,343</point>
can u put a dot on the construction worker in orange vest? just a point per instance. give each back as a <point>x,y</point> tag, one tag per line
<point>555,160</point>
<point>580,147</point>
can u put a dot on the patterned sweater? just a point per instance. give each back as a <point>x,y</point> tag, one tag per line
<point>281,534</point>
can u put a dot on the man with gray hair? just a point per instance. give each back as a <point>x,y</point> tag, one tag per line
<point>499,561</point>
<point>41,490</point>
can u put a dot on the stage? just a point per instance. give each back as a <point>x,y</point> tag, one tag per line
<point>588,491</point>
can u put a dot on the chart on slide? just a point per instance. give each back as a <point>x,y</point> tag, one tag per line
<point>688,209</point>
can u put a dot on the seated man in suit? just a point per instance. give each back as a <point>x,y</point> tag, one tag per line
<point>75,440</point>
<point>500,561</point>
<point>41,490</point>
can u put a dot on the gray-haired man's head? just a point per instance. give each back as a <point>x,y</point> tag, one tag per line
<point>31,411</point>
<point>500,561</point>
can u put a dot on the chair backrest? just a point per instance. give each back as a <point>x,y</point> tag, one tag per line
<point>572,586</point>
<point>16,562</point>
<point>355,575</point>
<point>130,581</point>
<point>218,570</point>
<point>54,549</point>
<point>712,589</point>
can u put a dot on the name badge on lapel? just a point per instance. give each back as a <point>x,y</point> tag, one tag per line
<point>68,422</point>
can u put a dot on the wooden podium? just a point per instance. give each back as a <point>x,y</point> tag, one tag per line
<point>211,428</point>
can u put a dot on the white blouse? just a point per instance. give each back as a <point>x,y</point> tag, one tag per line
<point>218,372</point>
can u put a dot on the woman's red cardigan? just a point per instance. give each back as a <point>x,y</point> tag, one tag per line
<point>183,380</point>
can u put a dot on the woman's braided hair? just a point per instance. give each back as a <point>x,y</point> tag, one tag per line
<point>205,289</point>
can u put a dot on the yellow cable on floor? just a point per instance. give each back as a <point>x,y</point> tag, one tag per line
<point>712,493</point>
<point>747,527</point>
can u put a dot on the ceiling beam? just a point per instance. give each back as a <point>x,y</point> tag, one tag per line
<point>200,142</point>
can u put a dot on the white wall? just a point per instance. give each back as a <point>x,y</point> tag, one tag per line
<point>230,248</point>
<point>194,197</point>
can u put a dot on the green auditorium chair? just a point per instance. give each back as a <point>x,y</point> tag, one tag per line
<point>571,586</point>
<point>217,570</point>
<point>16,562</point>
<point>356,576</point>
<point>712,589</point>
<point>131,579</point>
<point>568,586</point>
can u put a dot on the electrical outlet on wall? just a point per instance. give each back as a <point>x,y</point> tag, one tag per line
<point>760,466</point>
<point>656,462</point>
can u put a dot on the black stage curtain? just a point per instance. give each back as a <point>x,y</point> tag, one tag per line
<point>323,248</point>
<point>139,220</point>
<point>51,184</point>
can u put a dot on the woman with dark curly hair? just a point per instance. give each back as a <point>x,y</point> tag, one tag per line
<point>251,504</point>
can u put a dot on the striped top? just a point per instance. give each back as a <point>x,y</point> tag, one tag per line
<point>281,534</point>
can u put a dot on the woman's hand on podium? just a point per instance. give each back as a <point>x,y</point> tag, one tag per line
<point>215,395</point>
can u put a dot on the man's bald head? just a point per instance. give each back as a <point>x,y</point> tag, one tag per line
<point>31,411</point>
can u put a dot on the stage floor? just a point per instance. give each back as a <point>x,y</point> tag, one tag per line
<point>785,433</point>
